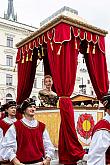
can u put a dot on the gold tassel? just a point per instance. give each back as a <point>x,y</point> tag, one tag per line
<point>42,51</point>
<point>93,51</point>
<point>39,55</point>
<point>59,50</point>
<point>88,48</point>
<point>22,60</point>
<point>14,68</point>
<point>30,58</point>
<point>76,46</point>
<point>51,45</point>
<point>27,57</point>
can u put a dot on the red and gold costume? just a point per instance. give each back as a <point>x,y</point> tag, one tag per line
<point>103,125</point>
<point>29,142</point>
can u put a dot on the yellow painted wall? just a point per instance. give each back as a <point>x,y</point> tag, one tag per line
<point>52,121</point>
<point>100,115</point>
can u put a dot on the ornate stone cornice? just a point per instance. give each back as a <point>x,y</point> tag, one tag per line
<point>16,26</point>
<point>11,27</point>
<point>10,51</point>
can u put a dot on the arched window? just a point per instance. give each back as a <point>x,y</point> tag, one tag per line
<point>34,98</point>
<point>9,97</point>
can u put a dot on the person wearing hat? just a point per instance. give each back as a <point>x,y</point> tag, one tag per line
<point>2,113</point>
<point>5,123</point>
<point>27,140</point>
<point>10,113</point>
<point>99,151</point>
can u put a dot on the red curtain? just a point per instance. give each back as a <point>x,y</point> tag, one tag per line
<point>97,68</point>
<point>26,75</point>
<point>63,65</point>
<point>62,46</point>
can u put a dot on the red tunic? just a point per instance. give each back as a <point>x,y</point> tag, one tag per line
<point>103,125</point>
<point>2,116</point>
<point>5,126</point>
<point>29,142</point>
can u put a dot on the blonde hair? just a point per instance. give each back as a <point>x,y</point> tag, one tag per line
<point>47,76</point>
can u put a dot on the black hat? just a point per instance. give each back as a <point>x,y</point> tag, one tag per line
<point>18,109</point>
<point>26,103</point>
<point>8,104</point>
<point>106,101</point>
<point>1,108</point>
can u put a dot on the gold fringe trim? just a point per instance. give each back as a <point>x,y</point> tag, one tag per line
<point>88,48</point>
<point>22,60</point>
<point>51,45</point>
<point>76,46</point>
<point>27,57</point>
<point>64,97</point>
<point>42,51</point>
<point>30,58</point>
<point>59,51</point>
<point>58,102</point>
<point>39,55</point>
<point>93,51</point>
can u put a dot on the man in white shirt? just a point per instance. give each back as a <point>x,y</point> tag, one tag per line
<point>10,112</point>
<point>27,141</point>
<point>5,123</point>
<point>99,151</point>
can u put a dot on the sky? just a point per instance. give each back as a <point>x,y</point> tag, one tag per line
<point>32,12</point>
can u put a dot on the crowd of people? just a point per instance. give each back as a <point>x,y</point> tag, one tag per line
<point>24,141</point>
<point>27,141</point>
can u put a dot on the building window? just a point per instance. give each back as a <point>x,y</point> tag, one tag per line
<point>9,79</point>
<point>78,79</point>
<point>42,83</point>
<point>84,91</point>
<point>92,92</point>
<point>10,42</point>
<point>34,98</point>
<point>40,66</point>
<point>35,83</point>
<point>83,60</point>
<point>9,97</point>
<point>39,83</point>
<point>83,70</point>
<point>9,60</point>
<point>88,81</point>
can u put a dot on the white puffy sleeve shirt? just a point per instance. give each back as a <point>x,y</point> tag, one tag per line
<point>9,121</point>
<point>99,145</point>
<point>10,144</point>
<point>1,136</point>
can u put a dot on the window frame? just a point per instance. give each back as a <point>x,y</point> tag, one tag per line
<point>9,79</point>
<point>10,41</point>
<point>9,60</point>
